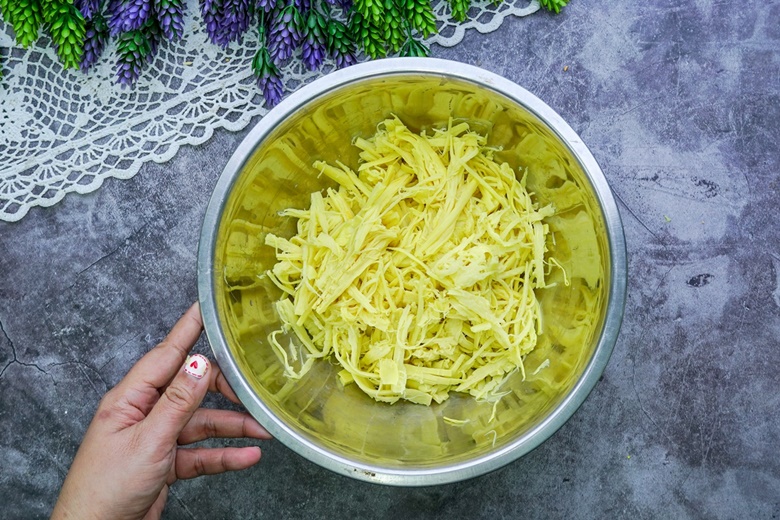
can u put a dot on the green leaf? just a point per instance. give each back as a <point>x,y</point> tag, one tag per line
<point>25,17</point>
<point>368,36</point>
<point>340,39</point>
<point>396,24</point>
<point>420,15</point>
<point>316,23</point>
<point>460,9</point>
<point>262,65</point>
<point>413,48</point>
<point>554,6</point>
<point>67,28</point>
<point>371,10</point>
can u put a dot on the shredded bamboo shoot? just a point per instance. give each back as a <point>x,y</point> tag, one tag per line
<point>417,275</point>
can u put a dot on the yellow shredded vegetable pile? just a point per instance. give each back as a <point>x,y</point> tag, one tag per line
<point>417,274</point>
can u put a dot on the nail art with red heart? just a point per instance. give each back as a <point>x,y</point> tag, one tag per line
<point>196,366</point>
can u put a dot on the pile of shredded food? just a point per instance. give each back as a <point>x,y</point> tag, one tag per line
<point>417,274</point>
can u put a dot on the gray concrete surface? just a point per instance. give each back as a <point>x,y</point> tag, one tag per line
<point>680,104</point>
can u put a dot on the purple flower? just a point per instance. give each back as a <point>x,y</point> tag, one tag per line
<point>129,16</point>
<point>212,13</point>
<point>88,8</point>
<point>303,6</point>
<point>128,66</point>
<point>170,14</point>
<point>266,5</point>
<point>153,36</point>
<point>313,54</point>
<point>95,39</point>
<point>209,5</point>
<point>268,79</point>
<point>315,42</point>
<point>113,7</point>
<point>236,15</point>
<point>127,72</point>
<point>134,49</point>
<point>285,35</point>
<point>272,89</point>
<point>345,60</point>
<point>346,5</point>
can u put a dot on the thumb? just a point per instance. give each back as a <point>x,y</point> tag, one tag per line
<point>183,396</point>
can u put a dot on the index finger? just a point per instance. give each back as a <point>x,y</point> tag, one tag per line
<point>159,365</point>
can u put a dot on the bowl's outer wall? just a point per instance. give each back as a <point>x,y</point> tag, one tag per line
<point>325,455</point>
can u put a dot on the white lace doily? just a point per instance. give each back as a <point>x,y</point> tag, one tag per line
<point>63,131</point>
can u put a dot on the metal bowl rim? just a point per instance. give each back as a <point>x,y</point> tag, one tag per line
<point>447,473</point>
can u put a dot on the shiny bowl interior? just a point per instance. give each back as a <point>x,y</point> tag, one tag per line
<point>340,427</point>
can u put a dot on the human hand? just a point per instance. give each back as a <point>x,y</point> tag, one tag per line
<point>131,452</point>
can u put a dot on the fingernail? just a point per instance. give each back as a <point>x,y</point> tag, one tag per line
<point>196,366</point>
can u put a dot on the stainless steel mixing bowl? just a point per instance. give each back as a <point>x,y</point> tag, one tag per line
<point>339,427</point>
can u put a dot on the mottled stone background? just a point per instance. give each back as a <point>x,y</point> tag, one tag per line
<point>680,104</point>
